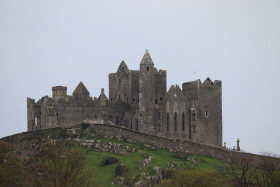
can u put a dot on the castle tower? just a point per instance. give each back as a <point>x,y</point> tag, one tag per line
<point>206,119</point>
<point>146,94</point>
<point>59,92</point>
<point>30,114</point>
<point>120,84</point>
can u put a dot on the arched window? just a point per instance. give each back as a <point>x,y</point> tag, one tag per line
<point>183,121</point>
<point>36,122</point>
<point>167,123</point>
<point>175,121</point>
<point>148,68</point>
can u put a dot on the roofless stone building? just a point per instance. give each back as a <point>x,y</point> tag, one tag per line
<point>138,100</point>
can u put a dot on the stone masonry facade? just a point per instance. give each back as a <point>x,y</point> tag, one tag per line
<point>138,100</point>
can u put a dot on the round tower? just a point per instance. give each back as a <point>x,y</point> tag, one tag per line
<point>146,94</point>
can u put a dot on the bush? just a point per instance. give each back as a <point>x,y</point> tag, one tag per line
<point>167,173</point>
<point>84,126</point>
<point>275,178</point>
<point>12,171</point>
<point>110,160</point>
<point>120,170</point>
<point>193,177</point>
<point>59,165</point>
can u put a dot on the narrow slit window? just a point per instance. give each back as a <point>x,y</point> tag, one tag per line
<point>120,82</point>
<point>117,120</point>
<point>167,119</point>
<point>136,124</point>
<point>36,121</point>
<point>183,121</point>
<point>175,121</point>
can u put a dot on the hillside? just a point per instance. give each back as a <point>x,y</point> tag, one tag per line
<point>135,156</point>
<point>142,163</point>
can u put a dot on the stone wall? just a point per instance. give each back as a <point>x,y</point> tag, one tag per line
<point>173,145</point>
<point>107,129</point>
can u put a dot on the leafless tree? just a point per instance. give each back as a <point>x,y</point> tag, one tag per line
<point>241,171</point>
<point>268,165</point>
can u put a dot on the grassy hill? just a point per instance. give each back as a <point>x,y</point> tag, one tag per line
<point>97,148</point>
<point>142,164</point>
<point>133,161</point>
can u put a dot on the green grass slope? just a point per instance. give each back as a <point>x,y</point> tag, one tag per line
<point>162,158</point>
<point>98,150</point>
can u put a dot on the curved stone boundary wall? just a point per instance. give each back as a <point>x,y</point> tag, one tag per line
<point>173,145</point>
<point>182,146</point>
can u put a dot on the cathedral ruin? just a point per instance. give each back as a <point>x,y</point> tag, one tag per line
<point>138,100</point>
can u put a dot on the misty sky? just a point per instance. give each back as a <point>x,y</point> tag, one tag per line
<point>62,42</point>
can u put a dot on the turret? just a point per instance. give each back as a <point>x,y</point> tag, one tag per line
<point>59,92</point>
<point>102,99</point>
<point>30,114</point>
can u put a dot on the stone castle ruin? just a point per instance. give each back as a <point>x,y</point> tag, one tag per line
<point>138,100</point>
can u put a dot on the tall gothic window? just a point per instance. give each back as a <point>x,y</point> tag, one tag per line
<point>175,121</point>
<point>183,121</point>
<point>136,124</point>
<point>36,121</point>
<point>168,123</point>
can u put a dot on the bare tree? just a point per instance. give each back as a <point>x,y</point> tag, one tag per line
<point>268,164</point>
<point>58,165</point>
<point>241,171</point>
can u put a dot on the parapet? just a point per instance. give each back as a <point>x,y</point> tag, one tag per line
<point>209,83</point>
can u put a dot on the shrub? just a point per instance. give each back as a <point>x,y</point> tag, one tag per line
<point>110,160</point>
<point>120,170</point>
<point>167,173</point>
<point>275,178</point>
<point>12,172</point>
<point>84,126</point>
<point>192,177</point>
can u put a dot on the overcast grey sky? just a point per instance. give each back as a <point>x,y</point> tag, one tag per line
<point>62,42</point>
